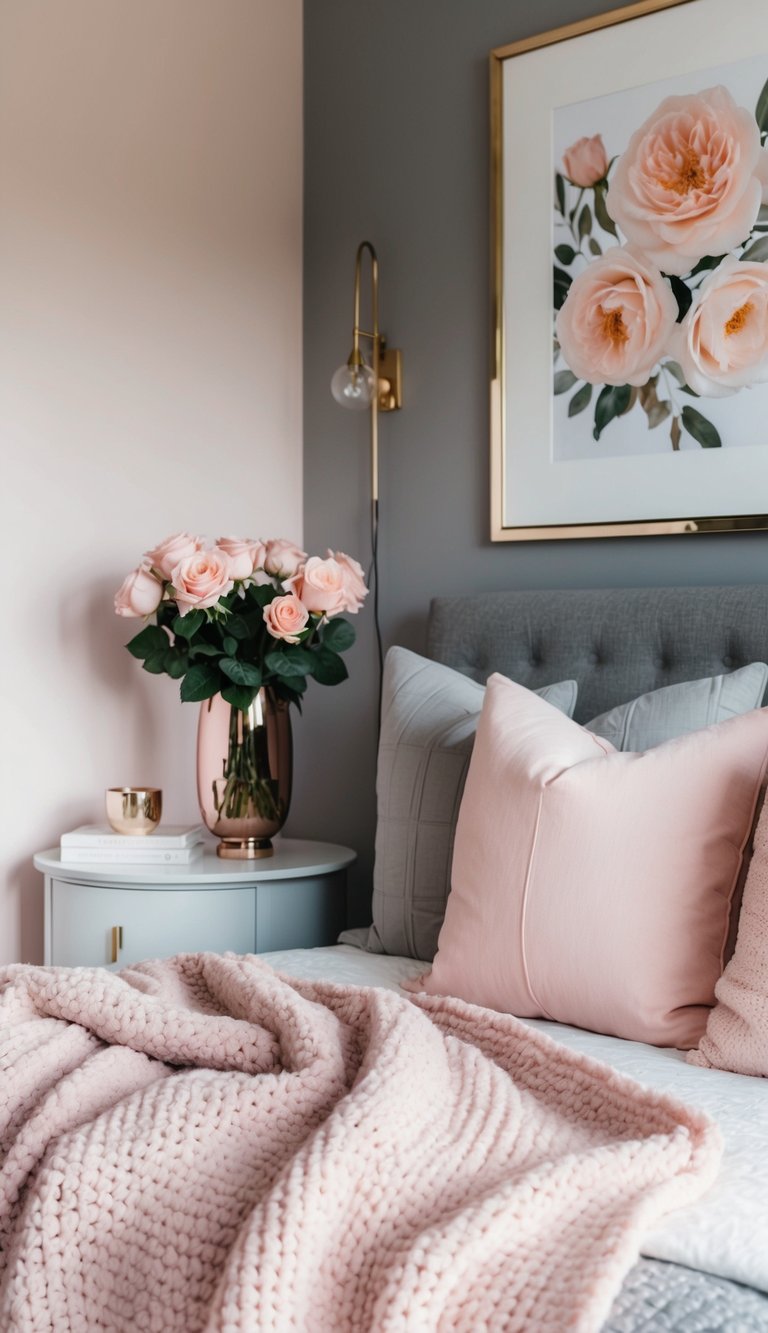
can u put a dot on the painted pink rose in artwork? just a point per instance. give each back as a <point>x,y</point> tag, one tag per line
<point>586,161</point>
<point>283,558</point>
<point>165,557</point>
<point>200,580</point>
<point>722,344</point>
<point>245,555</point>
<point>139,594</point>
<point>616,321</point>
<point>691,180</point>
<point>320,585</point>
<point>353,579</point>
<point>285,617</point>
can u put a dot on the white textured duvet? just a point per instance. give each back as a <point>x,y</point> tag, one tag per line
<point>726,1232</point>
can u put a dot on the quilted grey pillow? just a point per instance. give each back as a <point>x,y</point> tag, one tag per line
<point>429,716</point>
<point>675,710</point>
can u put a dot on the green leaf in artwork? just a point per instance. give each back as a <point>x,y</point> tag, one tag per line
<point>594,246</point>
<point>240,673</point>
<point>560,192</point>
<point>682,294</point>
<point>585,221</point>
<point>562,283</point>
<point>201,682</point>
<point>204,650</point>
<point>238,696</point>
<point>761,110</point>
<point>603,217</point>
<point>187,626</point>
<point>565,253</point>
<point>702,430</point>
<point>238,627</point>
<point>229,644</point>
<point>612,400</point>
<point>562,382</point>
<point>155,663</point>
<point>339,635</point>
<point>329,669</point>
<point>580,400</point>
<point>757,251</point>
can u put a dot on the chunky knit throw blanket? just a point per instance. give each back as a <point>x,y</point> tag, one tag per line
<point>200,1144</point>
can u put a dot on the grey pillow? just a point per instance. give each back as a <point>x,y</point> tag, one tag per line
<point>429,716</point>
<point>675,710</point>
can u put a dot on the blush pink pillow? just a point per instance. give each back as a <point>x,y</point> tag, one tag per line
<point>591,886</point>
<point>737,1031</point>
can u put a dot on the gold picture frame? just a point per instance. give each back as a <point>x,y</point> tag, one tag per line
<point>515,435</point>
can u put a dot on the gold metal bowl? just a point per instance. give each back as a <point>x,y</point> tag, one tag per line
<point>134,810</point>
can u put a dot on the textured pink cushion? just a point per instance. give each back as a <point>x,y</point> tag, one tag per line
<point>594,887</point>
<point>737,1031</point>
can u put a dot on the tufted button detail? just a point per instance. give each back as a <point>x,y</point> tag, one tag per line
<point>727,661</point>
<point>594,659</point>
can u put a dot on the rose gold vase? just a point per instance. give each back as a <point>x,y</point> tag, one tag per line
<point>244,772</point>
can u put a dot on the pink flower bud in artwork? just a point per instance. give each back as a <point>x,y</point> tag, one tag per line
<point>139,594</point>
<point>586,161</point>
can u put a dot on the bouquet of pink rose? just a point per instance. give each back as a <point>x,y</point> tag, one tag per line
<point>238,614</point>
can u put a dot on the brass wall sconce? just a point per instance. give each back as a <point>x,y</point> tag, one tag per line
<point>376,384</point>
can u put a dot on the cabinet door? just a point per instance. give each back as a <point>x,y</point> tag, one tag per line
<point>155,923</point>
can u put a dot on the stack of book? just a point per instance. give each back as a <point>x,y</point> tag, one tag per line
<point>176,844</point>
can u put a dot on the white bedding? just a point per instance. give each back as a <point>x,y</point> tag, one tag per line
<point>726,1232</point>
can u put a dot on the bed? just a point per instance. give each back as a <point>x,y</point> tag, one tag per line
<point>705,1267</point>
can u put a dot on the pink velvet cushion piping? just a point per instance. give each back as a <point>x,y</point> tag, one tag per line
<point>737,1031</point>
<point>594,887</point>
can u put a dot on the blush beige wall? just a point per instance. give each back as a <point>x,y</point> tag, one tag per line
<point>150,370</point>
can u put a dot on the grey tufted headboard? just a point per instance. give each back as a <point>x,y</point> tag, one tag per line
<point>615,643</point>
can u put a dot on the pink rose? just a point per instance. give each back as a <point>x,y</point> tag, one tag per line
<point>244,555</point>
<point>283,558</point>
<point>586,161</point>
<point>139,594</point>
<point>200,580</point>
<point>353,580</point>
<point>165,557</point>
<point>285,617</point>
<point>722,344</point>
<point>690,182</point>
<point>320,585</point>
<point>616,320</point>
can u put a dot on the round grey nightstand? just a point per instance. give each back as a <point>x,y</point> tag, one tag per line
<point>110,914</point>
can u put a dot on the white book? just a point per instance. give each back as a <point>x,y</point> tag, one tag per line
<point>172,836</point>
<point>140,856</point>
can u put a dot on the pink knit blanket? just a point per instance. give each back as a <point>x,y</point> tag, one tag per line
<point>201,1144</point>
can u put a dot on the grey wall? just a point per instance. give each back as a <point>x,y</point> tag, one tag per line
<point>396,108</point>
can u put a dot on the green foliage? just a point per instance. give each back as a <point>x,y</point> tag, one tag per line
<point>562,282</point>
<point>563,381</point>
<point>228,649</point>
<point>703,432</point>
<point>612,401</point>
<point>761,110</point>
<point>580,400</point>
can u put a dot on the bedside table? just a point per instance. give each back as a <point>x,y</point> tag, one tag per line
<point>110,915</point>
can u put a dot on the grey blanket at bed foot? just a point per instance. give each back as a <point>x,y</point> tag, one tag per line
<point>666,1298</point>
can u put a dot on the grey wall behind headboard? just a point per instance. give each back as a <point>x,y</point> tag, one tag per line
<point>396,150</point>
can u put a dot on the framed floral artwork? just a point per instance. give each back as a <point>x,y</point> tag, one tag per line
<point>629,390</point>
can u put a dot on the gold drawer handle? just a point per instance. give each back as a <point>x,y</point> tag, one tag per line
<point>117,942</point>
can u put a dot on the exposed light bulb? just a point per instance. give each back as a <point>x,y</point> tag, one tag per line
<point>353,386</point>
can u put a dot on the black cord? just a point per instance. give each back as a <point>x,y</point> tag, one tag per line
<point>373,582</point>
